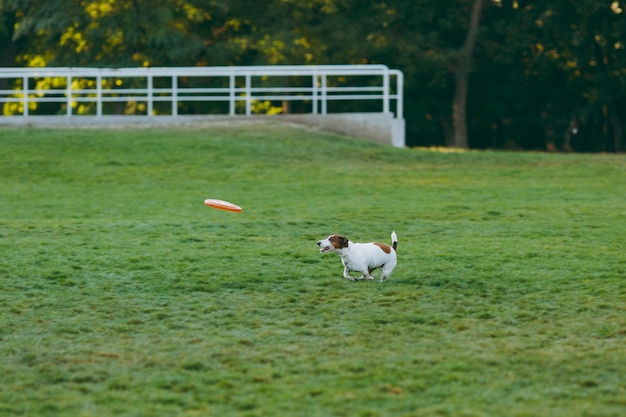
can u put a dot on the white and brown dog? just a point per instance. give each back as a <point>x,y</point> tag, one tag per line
<point>362,257</point>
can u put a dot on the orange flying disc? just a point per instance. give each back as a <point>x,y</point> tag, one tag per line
<point>222,205</point>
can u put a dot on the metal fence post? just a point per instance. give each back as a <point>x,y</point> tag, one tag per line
<point>385,91</point>
<point>400,94</point>
<point>231,93</point>
<point>25,95</point>
<point>314,91</point>
<point>150,92</point>
<point>248,94</point>
<point>68,93</point>
<point>99,95</point>
<point>174,95</point>
<point>324,93</point>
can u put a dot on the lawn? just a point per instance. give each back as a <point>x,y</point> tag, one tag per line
<point>123,295</point>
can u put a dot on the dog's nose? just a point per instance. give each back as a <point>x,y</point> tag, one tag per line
<point>319,243</point>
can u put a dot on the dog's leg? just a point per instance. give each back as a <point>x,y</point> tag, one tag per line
<point>346,274</point>
<point>384,275</point>
<point>366,275</point>
<point>387,270</point>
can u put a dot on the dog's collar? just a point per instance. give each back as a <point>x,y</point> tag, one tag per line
<point>346,251</point>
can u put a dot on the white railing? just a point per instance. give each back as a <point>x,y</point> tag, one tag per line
<point>173,91</point>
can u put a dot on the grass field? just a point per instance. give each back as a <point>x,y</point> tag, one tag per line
<point>123,295</point>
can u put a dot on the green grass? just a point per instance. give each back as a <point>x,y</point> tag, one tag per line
<point>123,295</point>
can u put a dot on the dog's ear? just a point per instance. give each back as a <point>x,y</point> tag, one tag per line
<point>343,241</point>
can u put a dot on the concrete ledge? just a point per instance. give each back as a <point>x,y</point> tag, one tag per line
<point>378,127</point>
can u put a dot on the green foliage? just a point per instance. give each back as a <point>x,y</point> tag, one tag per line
<point>539,71</point>
<point>122,294</point>
<point>108,33</point>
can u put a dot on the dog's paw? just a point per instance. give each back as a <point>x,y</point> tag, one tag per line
<point>363,276</point>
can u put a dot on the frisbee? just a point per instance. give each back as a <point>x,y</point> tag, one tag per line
<point>222,205</point>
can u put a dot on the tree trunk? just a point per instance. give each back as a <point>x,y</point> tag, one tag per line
<point>461,73</point>
<point>448,131</point>
<point>616,124</point>
<point>459,111</point>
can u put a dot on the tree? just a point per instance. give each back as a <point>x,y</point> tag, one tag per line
<point>480,73</point>
<point>461,69</point>
<point>105,33</point>
<point>9,49</point>
<point>585,41</point>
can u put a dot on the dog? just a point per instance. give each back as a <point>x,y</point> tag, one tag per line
<point>362,257</point>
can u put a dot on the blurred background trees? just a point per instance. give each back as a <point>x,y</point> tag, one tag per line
<point>538,74</point>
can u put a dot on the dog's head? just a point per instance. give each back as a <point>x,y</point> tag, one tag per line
<point>333,243</point>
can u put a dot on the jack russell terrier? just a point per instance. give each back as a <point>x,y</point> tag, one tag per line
<point>362,257</point>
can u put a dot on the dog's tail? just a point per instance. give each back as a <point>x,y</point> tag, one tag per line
<point>394,240</point>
